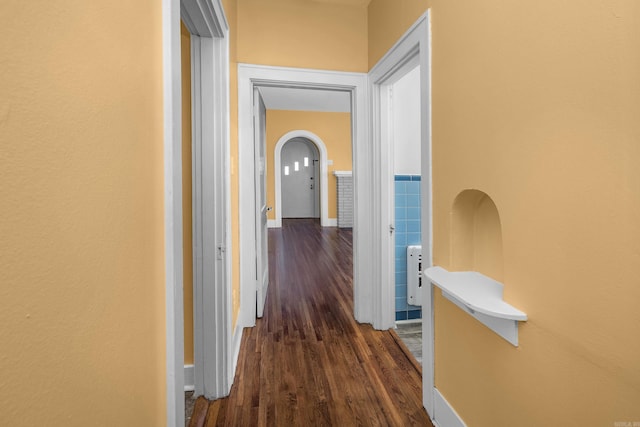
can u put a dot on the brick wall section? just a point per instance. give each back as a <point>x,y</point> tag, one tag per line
<point>345,199</point>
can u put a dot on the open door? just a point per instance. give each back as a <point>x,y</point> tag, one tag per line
<point>262,245</point>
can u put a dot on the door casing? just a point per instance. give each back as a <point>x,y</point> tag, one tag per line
<point>251,76</point>
<point>209,30</point>
<point>413,48</point>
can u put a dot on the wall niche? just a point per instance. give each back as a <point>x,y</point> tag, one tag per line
<point>475,285</point>
<point>476,235</point>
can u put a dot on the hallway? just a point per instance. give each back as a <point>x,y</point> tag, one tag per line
<point>307,362</point>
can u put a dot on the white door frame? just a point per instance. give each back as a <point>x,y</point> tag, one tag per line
<point>324,192</point>
<point>250,76</point>
<point>207,24</point>
<point>413,48</point>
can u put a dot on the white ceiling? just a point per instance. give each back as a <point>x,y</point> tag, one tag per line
<point>279,98</point>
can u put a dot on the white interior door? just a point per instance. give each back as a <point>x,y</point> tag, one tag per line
<point>262,244</point>
<point>299,180</point>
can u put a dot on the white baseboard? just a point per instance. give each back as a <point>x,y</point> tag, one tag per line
<point>237,340</point>
<point>443,413</point>
<point>332,222</point>
<point>189,378</point>
<point>272,223</point>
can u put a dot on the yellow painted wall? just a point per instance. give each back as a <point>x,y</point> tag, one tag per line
<point>537,105</point>
<point>335,131</point>
<point>187,214</point>
<point>387,22</point>
<point>231,12</point>
<point>82,301</point>
<point>303,33</point>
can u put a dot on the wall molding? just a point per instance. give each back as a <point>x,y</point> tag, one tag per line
<point>324,191</point>
<point>172,117</point>
<point>444,414</point>
<point>237,341</point>
<point>189,378</point>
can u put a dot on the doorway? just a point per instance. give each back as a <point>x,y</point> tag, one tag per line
<point>354,85</point>
<point>299,173</point>
<point>321,181</point>
<point>411,50</point>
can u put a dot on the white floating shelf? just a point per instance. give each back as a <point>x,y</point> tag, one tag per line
<point>481,297</point>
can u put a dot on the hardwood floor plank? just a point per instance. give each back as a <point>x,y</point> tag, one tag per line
<point>307,362</point>
<point>199,412</point>
<point>212,413</point>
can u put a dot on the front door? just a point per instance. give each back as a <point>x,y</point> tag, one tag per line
<point>299,161</point>
<point>262,245</point>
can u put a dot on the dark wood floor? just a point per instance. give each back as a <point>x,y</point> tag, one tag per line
<point>307,362</point>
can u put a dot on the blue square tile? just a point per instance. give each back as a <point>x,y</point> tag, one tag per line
<point>401,253</point>
<point>401,239</point>
<point>401,315</point>
<point>413,226</point>
<point>401,265</point>
<point>401,291</point>
<point>401,213</point>
<point>413,187</point>
<point>412,213</point>
<point>401,303</point>
<point>401,187</point>
<point>414,314</point>
<point>412,200</point>
<point>401,200</point>
<point>401,225</point>
<point>401,277</point>
<point>413,238</point>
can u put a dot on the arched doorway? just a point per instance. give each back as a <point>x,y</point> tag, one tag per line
<point>321,172</point>
<point>299,179</point>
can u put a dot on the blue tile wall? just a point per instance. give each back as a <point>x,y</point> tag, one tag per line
<point>407,208</point>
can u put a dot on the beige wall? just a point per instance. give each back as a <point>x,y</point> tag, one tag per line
<point>306,34</point>
<point>536,104</point>
<point>335,131</point>
<point>82,301</point>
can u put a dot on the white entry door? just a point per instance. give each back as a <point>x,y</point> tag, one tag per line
<point>299,178</point>
<point>262,244</point>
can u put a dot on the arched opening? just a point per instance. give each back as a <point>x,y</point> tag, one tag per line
<point>321,179</point>
<point>299,179</point>
<point>476,235</point>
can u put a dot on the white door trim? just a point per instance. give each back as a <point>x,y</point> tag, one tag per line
<point>324,193</point>
<point>207,23</point>
<point>413,48</point>
<point>250,76</point>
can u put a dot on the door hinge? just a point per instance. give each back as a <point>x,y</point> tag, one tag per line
<point>221,251</point>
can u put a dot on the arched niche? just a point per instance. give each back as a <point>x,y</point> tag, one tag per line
<point>476,235</point>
